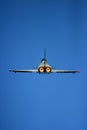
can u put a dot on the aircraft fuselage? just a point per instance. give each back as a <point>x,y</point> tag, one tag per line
<point>44,67</point>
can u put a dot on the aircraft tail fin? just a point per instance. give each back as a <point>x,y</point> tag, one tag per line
<point>44,53</point>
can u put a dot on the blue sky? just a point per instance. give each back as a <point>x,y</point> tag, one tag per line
<point>43,102</point>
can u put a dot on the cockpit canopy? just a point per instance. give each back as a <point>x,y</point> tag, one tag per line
<point>43,60</point>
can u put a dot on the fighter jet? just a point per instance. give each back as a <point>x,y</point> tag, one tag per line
<point>45,68</point>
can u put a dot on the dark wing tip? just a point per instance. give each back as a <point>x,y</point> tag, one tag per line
<point>12,71</point>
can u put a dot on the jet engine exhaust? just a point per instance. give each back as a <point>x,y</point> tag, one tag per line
<point>41,69</point>
<point>48,69</point>
<point>44,69</point>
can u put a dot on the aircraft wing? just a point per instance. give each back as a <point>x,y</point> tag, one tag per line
<point>24,71</point>
<point>65,71</point>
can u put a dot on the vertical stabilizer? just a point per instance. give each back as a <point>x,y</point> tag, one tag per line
<point>44,53</point>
